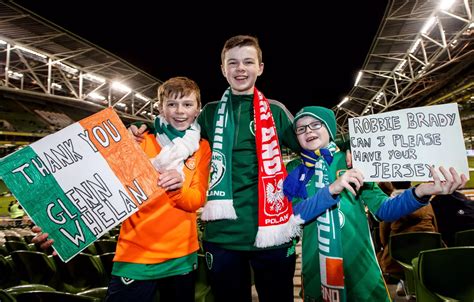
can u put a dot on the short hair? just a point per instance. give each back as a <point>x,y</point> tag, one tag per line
<point>240,41</point>
<point>178,87</point>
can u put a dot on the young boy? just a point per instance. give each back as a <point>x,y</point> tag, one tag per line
<point>339,262</point>
<point>248,219</point>
<point>157,246</point>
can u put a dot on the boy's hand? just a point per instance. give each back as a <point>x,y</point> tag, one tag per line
<point>451,183</point>
<point>170,180</point>
<point>137,133</point>
<point>352,180</point>
<point>42,239</point>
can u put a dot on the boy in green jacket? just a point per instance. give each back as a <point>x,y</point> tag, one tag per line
<point>249,223</point>
<point>339,262</point>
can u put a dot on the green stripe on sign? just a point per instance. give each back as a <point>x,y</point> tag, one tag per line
<point>45,202</point>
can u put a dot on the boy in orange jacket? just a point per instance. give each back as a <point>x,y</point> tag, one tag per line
<point>157,246</point>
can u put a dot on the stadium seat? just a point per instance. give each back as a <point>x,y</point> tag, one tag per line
<point>6,297</point>
<point>19,246</point>
<point>464,238</point>
<point>36,267</point>
<point>105,246</point>
<point>14,238</point>
<point>3,250</point>
<point>28,238</point>
<point>202,289</point>
<point>104,236</point>
<point>49,296</point>
<point>8,276</point>
<point>446,274</point>
<point>28,288</point>
<point>422,294</point>
<point>37,246</point>
<point>81,273</point>
<point>404,247</point>
<point>114,231</point>
<point>90,249</point>
<point>98,292</point>
<point>107,261</point>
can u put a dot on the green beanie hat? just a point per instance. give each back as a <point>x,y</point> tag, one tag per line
<point>323,114</point>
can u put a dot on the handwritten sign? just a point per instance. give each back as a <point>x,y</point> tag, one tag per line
<point>80,182</point>
<point>403,144</point>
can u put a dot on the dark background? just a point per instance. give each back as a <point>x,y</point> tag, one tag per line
<point>312,50</point>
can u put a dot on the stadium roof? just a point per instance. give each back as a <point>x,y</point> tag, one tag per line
<point>421,55</point>
<point>44,60</point>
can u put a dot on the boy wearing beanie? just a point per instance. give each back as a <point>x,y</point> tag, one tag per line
<point>339,262</point>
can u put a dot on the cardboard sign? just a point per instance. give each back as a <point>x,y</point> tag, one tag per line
<point>401,145</point>
<point>80,182</point>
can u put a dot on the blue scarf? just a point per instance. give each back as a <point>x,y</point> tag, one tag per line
<point>295,182</point>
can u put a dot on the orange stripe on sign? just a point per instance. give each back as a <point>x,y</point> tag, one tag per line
<point>124,156</point>
<point>334,272</point>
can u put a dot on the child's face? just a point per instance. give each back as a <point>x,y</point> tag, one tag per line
<point>241,69</point>
<point>312,139</point>
<point>180,112</point>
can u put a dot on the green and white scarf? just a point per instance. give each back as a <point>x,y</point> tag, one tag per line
<point>219,203</point>
<point>276,223</point>
<point>330,244</point>
<point>176,146</point>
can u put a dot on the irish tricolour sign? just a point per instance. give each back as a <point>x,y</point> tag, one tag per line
<point>80,182</point>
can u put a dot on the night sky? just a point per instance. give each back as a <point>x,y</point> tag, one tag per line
<point>311,55</point>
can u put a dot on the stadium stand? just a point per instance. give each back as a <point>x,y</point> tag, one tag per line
<point>397,73</point>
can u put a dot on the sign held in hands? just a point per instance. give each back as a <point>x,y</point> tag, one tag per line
<point>81,181</point>
<point>401,145</point>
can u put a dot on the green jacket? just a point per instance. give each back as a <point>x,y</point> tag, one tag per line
<point>363,277</point>
<point>240,234</point>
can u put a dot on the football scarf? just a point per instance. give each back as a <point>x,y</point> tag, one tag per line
<point>295,182</point>
<point>176,146</point>
<point>276,223</point>
<point>330,248</point>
